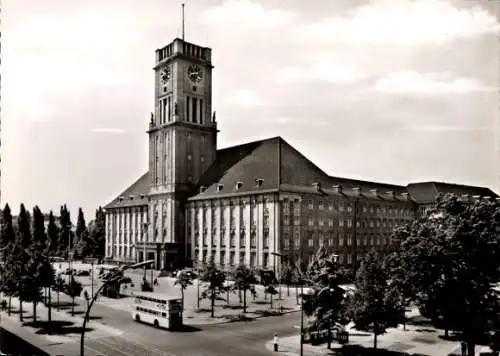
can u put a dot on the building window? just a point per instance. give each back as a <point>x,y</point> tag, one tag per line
<point>341,223</point>
<point>341,240</point>
<point>341,207</point>
<point>222,257</point>
<point>266,238</point>
<point>253,239</point>
<point>286,243</point>
<point>242,258</point>
<point>311,204</point>
<point>242,238</point>
<point>232,241</point>
<point>265,260</point>
<point>297,238</point>
<point>310,242</point>
<point>297,221</point>
<point>310,222</point>
<point>286,220</point>
<point>365,209</point>
<point>232,256</point>
<point>253,257</point>
<point>330,206</point>
<point>321,206</point>
<point>321,222</point>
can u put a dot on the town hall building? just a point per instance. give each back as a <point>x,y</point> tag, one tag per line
<point>257,203</point>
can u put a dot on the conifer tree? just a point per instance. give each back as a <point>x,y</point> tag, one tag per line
<point>52,235</point>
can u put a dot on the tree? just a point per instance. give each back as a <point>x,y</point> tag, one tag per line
<point>58,287</point>
<point>83,243</point>
<point>183,280</point>
<point>7,239</point>
<point>299,277</point>
<point>215,286</point>
<point>401,282</point>
<point>372,308</point>
<point>453,258</point>
<point>244,281</point>
<point>52,235</point>
<point>73,289</point>
<point>22,257</point>
<point>40,273</point>
<point>287,275</point>
<point>327,300</point>
<point>64,238</point>
<point>8,234</point>
<point>96,240</point>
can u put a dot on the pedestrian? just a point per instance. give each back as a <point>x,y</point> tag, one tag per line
<point>155,282</point>
<point>276,341</point>
<point>464,348</point>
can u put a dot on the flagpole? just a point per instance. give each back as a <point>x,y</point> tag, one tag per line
<point>183,22</point>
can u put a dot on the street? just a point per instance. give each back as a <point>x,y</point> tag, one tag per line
<point>240,338</point>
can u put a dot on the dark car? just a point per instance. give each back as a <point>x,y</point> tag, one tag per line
<point>83,273</point>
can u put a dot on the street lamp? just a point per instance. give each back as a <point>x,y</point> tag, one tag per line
<point>94,297</point>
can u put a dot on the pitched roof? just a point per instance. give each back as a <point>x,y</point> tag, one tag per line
<point>242,164</point>
<point>426,192</point>
<point>134,195</point>
<point>280,167</point>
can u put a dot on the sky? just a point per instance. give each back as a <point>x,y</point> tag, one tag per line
<point>395,91</point>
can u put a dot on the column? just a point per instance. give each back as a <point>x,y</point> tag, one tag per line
<point>247,214</point>
<point>208,222</point>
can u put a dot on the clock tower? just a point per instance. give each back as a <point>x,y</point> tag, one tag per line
<point>182,145</point>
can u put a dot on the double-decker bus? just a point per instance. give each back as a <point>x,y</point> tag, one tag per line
<point>159,310</point>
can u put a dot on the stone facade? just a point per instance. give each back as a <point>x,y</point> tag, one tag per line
<point>256,203</point>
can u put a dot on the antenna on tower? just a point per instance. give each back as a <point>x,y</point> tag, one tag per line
<point>183,21</point>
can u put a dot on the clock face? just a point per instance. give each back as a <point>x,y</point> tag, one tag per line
<point>194,73</point>
<point>165,74</point>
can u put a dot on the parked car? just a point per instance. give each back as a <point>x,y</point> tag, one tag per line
<point>83,273</point>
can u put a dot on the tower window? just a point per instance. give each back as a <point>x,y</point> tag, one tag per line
<point>259,182</point>
<point>189,157</point>
<point>238,185</point>
<point>201,111</point>
<point>195,111</point>
<point>188,104</point>
<point>220,187</point>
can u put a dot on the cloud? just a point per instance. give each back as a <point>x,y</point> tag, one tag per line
<point>429,83</point>
<point>246,14</point>
<point>328,71</point>
<point>402,22</point>
<point>244,97</point>
<point>109,130</point>
<point>446,128</point>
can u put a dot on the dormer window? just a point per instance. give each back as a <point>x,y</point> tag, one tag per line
<point>202,188</point>
<point>317,186</point>
<point>131,197</point>
<point>220,187</point>
<point>259,182</point>
<point>142,196</point>
<point>238,185</point>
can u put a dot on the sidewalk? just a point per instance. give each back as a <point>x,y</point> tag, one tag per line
<point>63,335</point>
<point>415,340</point>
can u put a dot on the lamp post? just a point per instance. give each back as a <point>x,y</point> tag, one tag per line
<point>94,297</point>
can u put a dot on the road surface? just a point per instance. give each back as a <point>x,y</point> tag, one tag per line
<point>239,338</point>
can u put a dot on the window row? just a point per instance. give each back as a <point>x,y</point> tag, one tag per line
<point>231,259</point>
